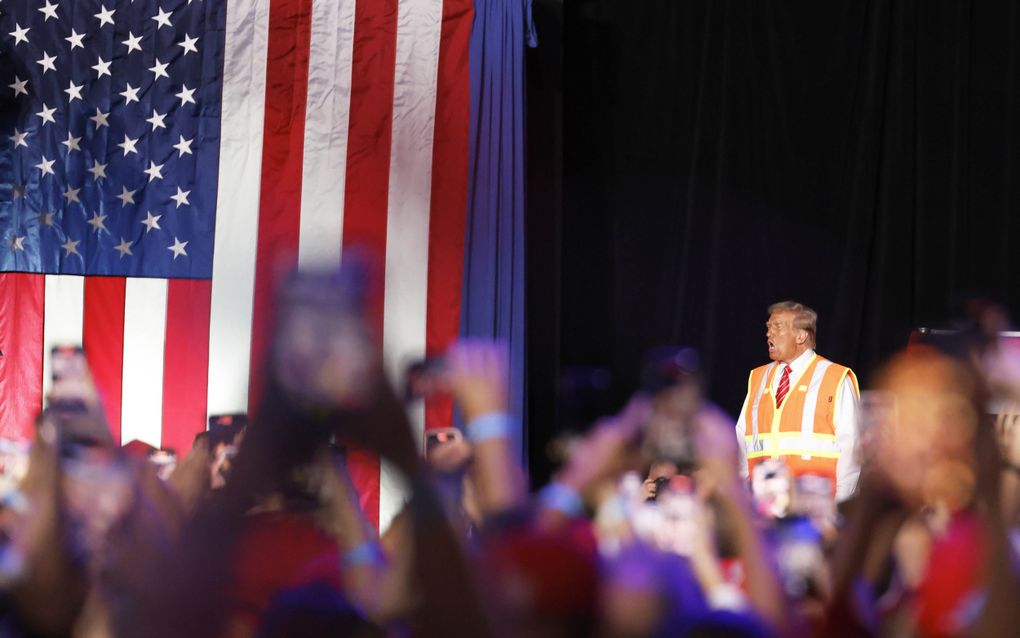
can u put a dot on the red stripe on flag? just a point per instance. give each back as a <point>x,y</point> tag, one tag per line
<point>290,25</point>
<point>185,362</point>
<point>22,301</point>
<point>103,340</point>
<point>371,121</point>
<point>368,175</point>
<point>448,218</point>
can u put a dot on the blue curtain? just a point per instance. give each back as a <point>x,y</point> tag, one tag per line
<point>493,298</point>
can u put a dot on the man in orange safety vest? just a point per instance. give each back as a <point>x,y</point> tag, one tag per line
<point>801,408</point>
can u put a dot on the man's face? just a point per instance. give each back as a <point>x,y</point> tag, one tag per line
<point>783,337</point>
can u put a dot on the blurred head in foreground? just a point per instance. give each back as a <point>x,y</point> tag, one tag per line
<point>934,447</point>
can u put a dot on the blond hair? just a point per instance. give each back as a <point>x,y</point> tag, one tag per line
<point>804,318</point>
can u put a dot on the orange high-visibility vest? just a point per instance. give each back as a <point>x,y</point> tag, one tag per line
<point>801,432</point>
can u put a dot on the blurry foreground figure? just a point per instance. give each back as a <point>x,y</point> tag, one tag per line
<point>283,548</point>
<point>77,533</point>
<point>925,551</point>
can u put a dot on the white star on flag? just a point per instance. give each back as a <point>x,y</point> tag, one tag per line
<point>19,138</point>
<point>46,166</point>
<point>71,194</point>
<point>155,171</point>
<point>46,218</point>
<point>97,222</point>
<point>184,146</point>
<point>102,68</point>
<point>19,86</point>
<point>71,247</point>
<point>151,221</point>
<point>49,10</point>
<point>185,95</point>
<point>163,18</point>
<point>72,142</point>
<point>156,120</point>
<point>188,44</point>
<point>124,247</point>
<point>98,170</point>
<point>126,197</point>
<point>133,42</point>
<point>73,91</point>
<point>105,16</point>
<point>75,39</point>
<point>129,145</point>
<point>47,114</point>
<point>181,197</point>
<point>130,93</point>
<point>100,118</point>
<point>47,62</point>
<point>159,70</point>
<point>178,248</point>
<point>20,34</point>
<point>18,243</point>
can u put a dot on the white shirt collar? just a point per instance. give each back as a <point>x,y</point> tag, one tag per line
<point>800,364</point>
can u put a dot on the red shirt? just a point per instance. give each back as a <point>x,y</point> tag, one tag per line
<point>277,551</point>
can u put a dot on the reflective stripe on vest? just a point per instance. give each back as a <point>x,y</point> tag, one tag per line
<point>782,436</point>
<point>807,423</point>
<point>794,444</point>
<point>757,399</point>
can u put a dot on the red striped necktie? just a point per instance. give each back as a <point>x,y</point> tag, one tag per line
<point>784,387</point>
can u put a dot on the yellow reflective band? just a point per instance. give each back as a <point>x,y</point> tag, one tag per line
<point>794,452</point>
<point>793,444</point>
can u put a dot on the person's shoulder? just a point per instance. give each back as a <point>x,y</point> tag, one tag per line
<point>837,367</point>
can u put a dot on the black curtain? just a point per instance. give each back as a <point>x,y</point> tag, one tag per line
<point>860,157</point>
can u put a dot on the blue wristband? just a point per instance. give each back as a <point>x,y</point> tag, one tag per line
<point>364,553</point>
<point>494,425</point>
<point>559,497</point>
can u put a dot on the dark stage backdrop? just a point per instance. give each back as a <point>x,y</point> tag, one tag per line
<point>861,157</point>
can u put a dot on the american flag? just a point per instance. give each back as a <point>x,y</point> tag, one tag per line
<point>162,161</point>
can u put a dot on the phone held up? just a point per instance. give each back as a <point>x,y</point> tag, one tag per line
<point>325,352</point>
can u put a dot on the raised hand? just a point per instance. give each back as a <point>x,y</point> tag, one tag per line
<point>604,453</point>
<point>478,377</point>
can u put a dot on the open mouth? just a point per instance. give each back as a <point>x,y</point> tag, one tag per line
<point>772,346</point>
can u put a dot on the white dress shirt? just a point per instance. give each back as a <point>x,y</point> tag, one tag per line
<point>844,415</point>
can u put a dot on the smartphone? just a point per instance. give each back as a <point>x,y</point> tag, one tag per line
<point>165,460</point>
<point>678,506</point>
<point>68,362</point>
<point>224,429</point>
<point>772,488</point>
<point>441,436</point>
<point>800,555</point>
<point>814,499</point>
<point>424,378</point>
<point>73,405</point>
<point>324,350</point>
<point>13,466</point>
<point>670,376</point>
<point>70,387</point>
